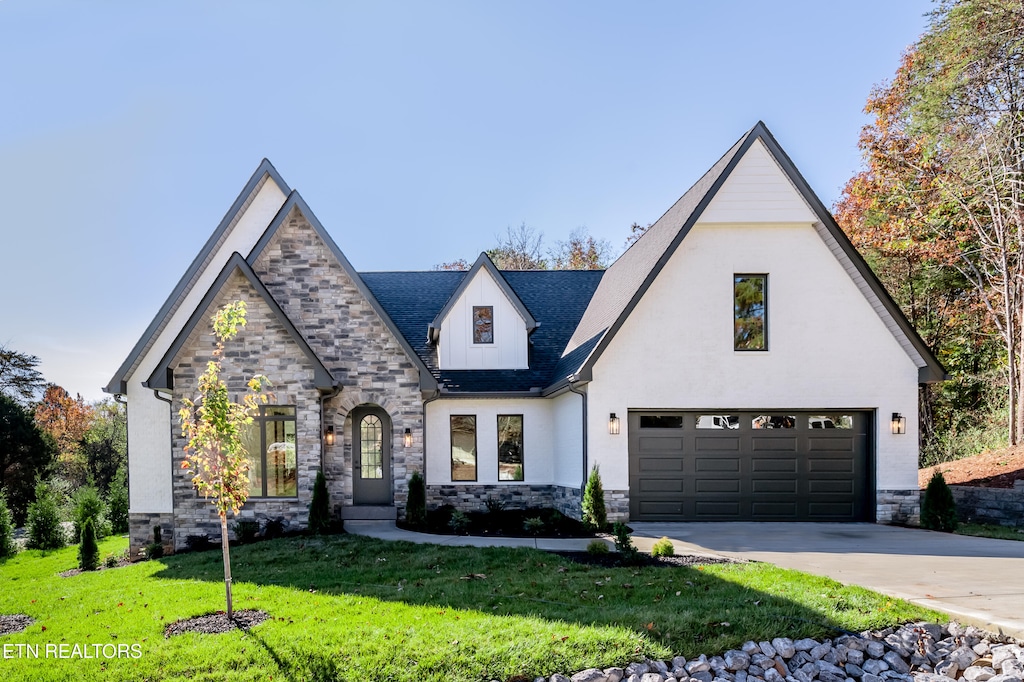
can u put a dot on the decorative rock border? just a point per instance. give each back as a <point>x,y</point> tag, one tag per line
<point>919,652</point>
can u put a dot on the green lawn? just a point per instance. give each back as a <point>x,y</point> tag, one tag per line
<point>350,607</point>
<point>985,530</point>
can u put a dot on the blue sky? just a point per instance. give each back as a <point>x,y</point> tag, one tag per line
<point>416,131</point>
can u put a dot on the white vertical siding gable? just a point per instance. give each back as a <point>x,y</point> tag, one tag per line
<point>456,349</point>
<point>758,191</point>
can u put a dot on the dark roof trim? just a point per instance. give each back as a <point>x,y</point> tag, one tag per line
<point>118,384</point>
<point>295,200</point>
<point>483,261</point>
<point>535,393</point>
<point>160,378</point>
<point>931,372</point>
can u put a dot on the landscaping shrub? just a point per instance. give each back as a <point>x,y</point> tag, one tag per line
<point>7,546</point>
<point>274,528</point>
<point>594,515</point>
<point>246,530</point>
<point>597,547</point>
<point>89,507</point>
<point>494,505</point>
<point>416,505</point>
<point>534,525</point>
<point>155,549</point>
<point>663,547</point>
<point>44,529</point>
<point>938,510</point>
<point>88,550</point>
<point>320,507</point>
<point>198,543</point>
<point>624,543</point>
<point>459,522</point>
<point>111,560</point>
<point>117,502</point>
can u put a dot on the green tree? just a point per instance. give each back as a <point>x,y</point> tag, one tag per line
<point>105,443</point>
<point>44,523</point>
<point>320,507</point>
<point>19,378</point>
<point>117,501</point>
<point>594,514</point>
<point>26,454</point>
<point>7,546</point>
<point>89,507</point>
<point>213,425</point>
<point>938,509</point>
<point>88,550</point>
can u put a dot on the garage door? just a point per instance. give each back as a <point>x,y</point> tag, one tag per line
<point>777,465</point>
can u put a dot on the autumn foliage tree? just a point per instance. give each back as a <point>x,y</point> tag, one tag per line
<point>213,426</point>
<point>67,420</point>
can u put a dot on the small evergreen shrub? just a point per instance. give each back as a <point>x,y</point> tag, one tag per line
<point>246,530</point>
<point>594,515</point>
<point>198,543</point>
<point>155,550</point>
<point>7,546</point>
<point>89,507</point>
<point>597,547</point>
<point>534,525</point>
<point>111,561</point>
<point>320,507</point>
<point>938,510</point>
<point>663,547</point>
<point>624,543</point>
<point>274,528</point>
<point>494,505</point>
<point>44,529</point>
<point>459,522</point>
<point>416,505</point>
<point>117,502</point>
<point>88,550</point>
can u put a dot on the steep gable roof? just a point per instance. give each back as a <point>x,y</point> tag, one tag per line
<point>265,172</point>
<point>295,201</point>
<point>161,376</point>
<point>626,281</point>
<point>483,262</point>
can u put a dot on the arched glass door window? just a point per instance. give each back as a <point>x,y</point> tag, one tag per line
<point>371,441</point>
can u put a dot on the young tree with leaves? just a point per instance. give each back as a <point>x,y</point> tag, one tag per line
<point>213,426</point>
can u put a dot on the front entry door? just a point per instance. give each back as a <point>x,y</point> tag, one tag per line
<point>371,456</point>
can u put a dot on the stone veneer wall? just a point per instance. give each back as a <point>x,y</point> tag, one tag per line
<point>898,506</point>
<point>569,501</point>
<point>999,506</point>
<point>325,305</point>
<point>474,497</point>
<point>616,504</point>
<point>262,347</point>
<point>140,532</point>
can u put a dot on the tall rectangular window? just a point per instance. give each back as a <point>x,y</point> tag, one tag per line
<point>510,447</point>
<point>483,324</point>
<point>270,443</point>
<point>463,429</point>
<point>750,312</point>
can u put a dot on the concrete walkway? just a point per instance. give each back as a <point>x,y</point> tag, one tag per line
<point>976,580</point>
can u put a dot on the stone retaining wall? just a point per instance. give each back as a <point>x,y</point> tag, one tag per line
<point>999,506</point>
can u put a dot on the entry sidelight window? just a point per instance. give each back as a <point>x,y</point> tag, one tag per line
<point>750,312</point>
<point>463,431</point>
<point>510,447</point>
<point>270,442</point>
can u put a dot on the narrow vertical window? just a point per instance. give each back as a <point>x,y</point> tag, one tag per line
<point>510,447</point>
<point>483,324</point>
<point>463,428</point>
<point>750,312</point>
<point>371,447</point>
<point>270,443</point>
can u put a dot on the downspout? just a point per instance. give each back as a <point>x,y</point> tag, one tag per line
<point>583,484</point>
<point>437,394</point>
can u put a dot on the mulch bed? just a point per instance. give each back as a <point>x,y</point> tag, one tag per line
<point>614,560</point>
<point>121,561</point>
<point>14,623</point>
<point>216,623</point>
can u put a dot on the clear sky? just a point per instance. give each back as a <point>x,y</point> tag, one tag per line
<point>416,131</point>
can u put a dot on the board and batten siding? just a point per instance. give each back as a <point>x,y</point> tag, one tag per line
<point>456,349</point>
<point>149,419</point>
<point>827,346</point>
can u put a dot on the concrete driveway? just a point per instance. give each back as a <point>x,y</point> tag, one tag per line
<point>976,580</point>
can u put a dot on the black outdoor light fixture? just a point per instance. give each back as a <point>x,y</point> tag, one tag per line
<point>613,424</point>
<point>329,435</point>
<point>408,437</point>
<point>899,423</point>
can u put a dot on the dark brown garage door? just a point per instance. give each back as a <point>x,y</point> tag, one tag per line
<point>773,465</point>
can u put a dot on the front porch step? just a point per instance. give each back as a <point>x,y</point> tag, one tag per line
<point>369,513</point>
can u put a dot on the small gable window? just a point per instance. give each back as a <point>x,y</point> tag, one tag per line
<point>750,312</point>
<point>510,447</point>
<point>463,430</point>
<point>270,442</point>
<point>483,324</point>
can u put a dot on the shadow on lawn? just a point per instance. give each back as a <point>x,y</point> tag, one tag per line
<point>685,608</point>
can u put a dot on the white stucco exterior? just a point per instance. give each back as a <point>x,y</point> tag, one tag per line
<point>456,349</point>
<point>567,454</point>
<point>149,418</point>
<point>827,347</point>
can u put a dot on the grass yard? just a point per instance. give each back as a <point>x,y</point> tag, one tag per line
<point>349,607</point>
<point>985,530</point>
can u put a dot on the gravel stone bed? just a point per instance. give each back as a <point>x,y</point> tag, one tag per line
<point>918,652</point>
<point>613,560</point>
<point>15,623</point>
<point>216,623</point>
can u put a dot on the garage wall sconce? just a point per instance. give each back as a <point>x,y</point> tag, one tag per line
<point>613,424</point>
<point>899,423</point>
<point>408,438</point>
<point>329,435</point>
